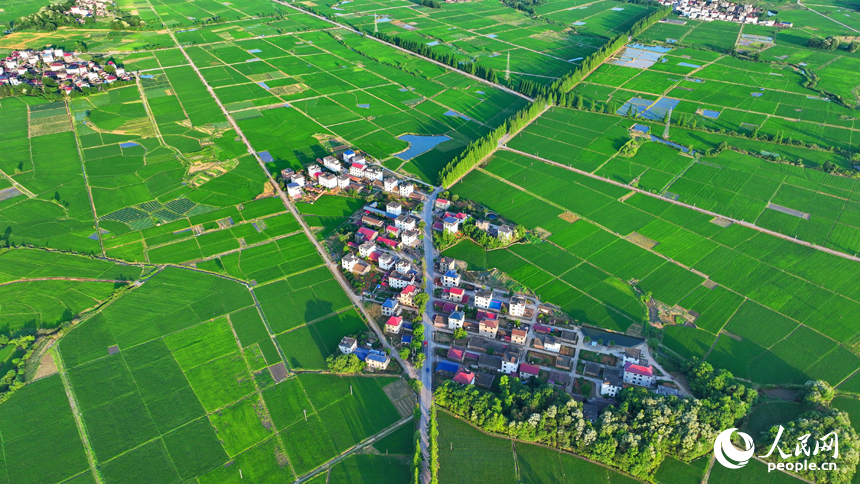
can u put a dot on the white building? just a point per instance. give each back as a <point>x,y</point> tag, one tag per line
<point>347,345</point>
<point>386,261</point>
<point>390,307</point>
<point>640,375</point>
<point>357,169</point>
<point>403,266</point>
<point>327,180</point>
<point>405,222</point>
<point>343,181</point>
<point>294,190</point>
<point>451,279</point>
<point>349,261</point>
<point>510,362</point>
<point>394,208</point>
<point>331,163</point>
<point>399,281</point>
<point>367,248</point>
<point>406,189</point>
<point>373,174</point>
<point>456,320</point>
<point>409,237</point>
<point>298,179</point>
<point>483,299</point>
<point>517,306</point>
<point>389,184</point>
<point>612,382</point>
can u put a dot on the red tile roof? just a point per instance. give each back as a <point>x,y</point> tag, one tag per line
<point>394,321</point>
<point>487,323</point>
<point>464,377</point>
<point>530,369</point>
<point>408,289</point>
<point>456,353</point>
<point>638,369</point>
<point>358,165</point>
<point>486,315</point>
<point>388,242</point>
<point>456,290</point>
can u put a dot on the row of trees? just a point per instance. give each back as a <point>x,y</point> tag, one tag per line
<point>445,58</point>
<point>636,435</point>
<point>829,44</point>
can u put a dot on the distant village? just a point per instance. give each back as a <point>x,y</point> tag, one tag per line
<point>710,10</point>
<point>90,8</point>
<point>66,68</point>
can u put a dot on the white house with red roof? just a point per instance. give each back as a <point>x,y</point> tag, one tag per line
<point>407,294</point>
<point>640,375</point>
<point>454,294</point>
<point>527,371</point>
<point>314,171</point>
<point>394,325</point>
<point>442,204</point>
<point>357,169</point>
<point>366,234</point>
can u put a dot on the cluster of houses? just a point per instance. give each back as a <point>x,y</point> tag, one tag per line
<point>375,359</point>
<point>70,71</point>
<point>710,10</point>
<point>634,371</point>
<point>380,235</point>
<point>90,8</point>
<point>352,171</point>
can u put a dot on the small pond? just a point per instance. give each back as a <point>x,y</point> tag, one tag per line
<point>418,145</point>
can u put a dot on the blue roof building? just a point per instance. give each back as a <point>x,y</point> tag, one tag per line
<point>361,353</point>
<point>448,366</point>
<point>406,339</point>
<point>389,304</point>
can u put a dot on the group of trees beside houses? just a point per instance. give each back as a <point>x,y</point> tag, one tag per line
<point>635,435</point>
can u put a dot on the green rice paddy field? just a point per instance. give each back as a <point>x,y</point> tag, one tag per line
<point>188,390</point>
<point>740,186</point>
<point>766,287</point>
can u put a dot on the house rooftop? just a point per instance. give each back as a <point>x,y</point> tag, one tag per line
<point>464,377</point>
<point>530,369</point>
<point>394,321</point>
<point>638,369</point>
<point>389,303</point>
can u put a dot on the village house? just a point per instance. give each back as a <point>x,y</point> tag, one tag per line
<point>465,377</point>
<point>483,298</point>
<point>394,325</point>
<point>373,173</point>
<point>490,362</point>
<point>314,171</point>
<point>451,279</point>
<point>547,343</point>
<point>328,180</point>
<point>386,261</point>
<point>294,190</point>
<point>505,233</point>
<point>389,184</point>
<point>367,248</point>
<point>407,294</point>
<point>454,294</point>
<point>357,169</point>
<point>528,371</point>
<point>455,320</point>
<point>377,360</point>
<point>451,224</point>
<point>446,264</point>
<point>343,182</point>
<point>456,353</point>
<point>510,362</point>
<point>518,337</point>
<point>639,375</point>
<point>488,328</point>
<point>349,261</point>
<point>347,345</point>
<point>347,156</point>
<point>390,307</point>
<point>517,306</point>
<point>564,362</point>
<point>394,208</point>
<point>612,382</point>
<point>405,222</point>
<point>485,380</point>
<point>667,390</point>
<point>633,355</point>
<point>406,189</point>
<point>364,234</point>
<point>331,164</point>
<point>392,231</point>
<point>298,179</point>
<point>442,204</point>
<point>403,266</point>
<point>591,369</point>
<point>399,281</point>
<point>372,222</point>
<point>409,237</point>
